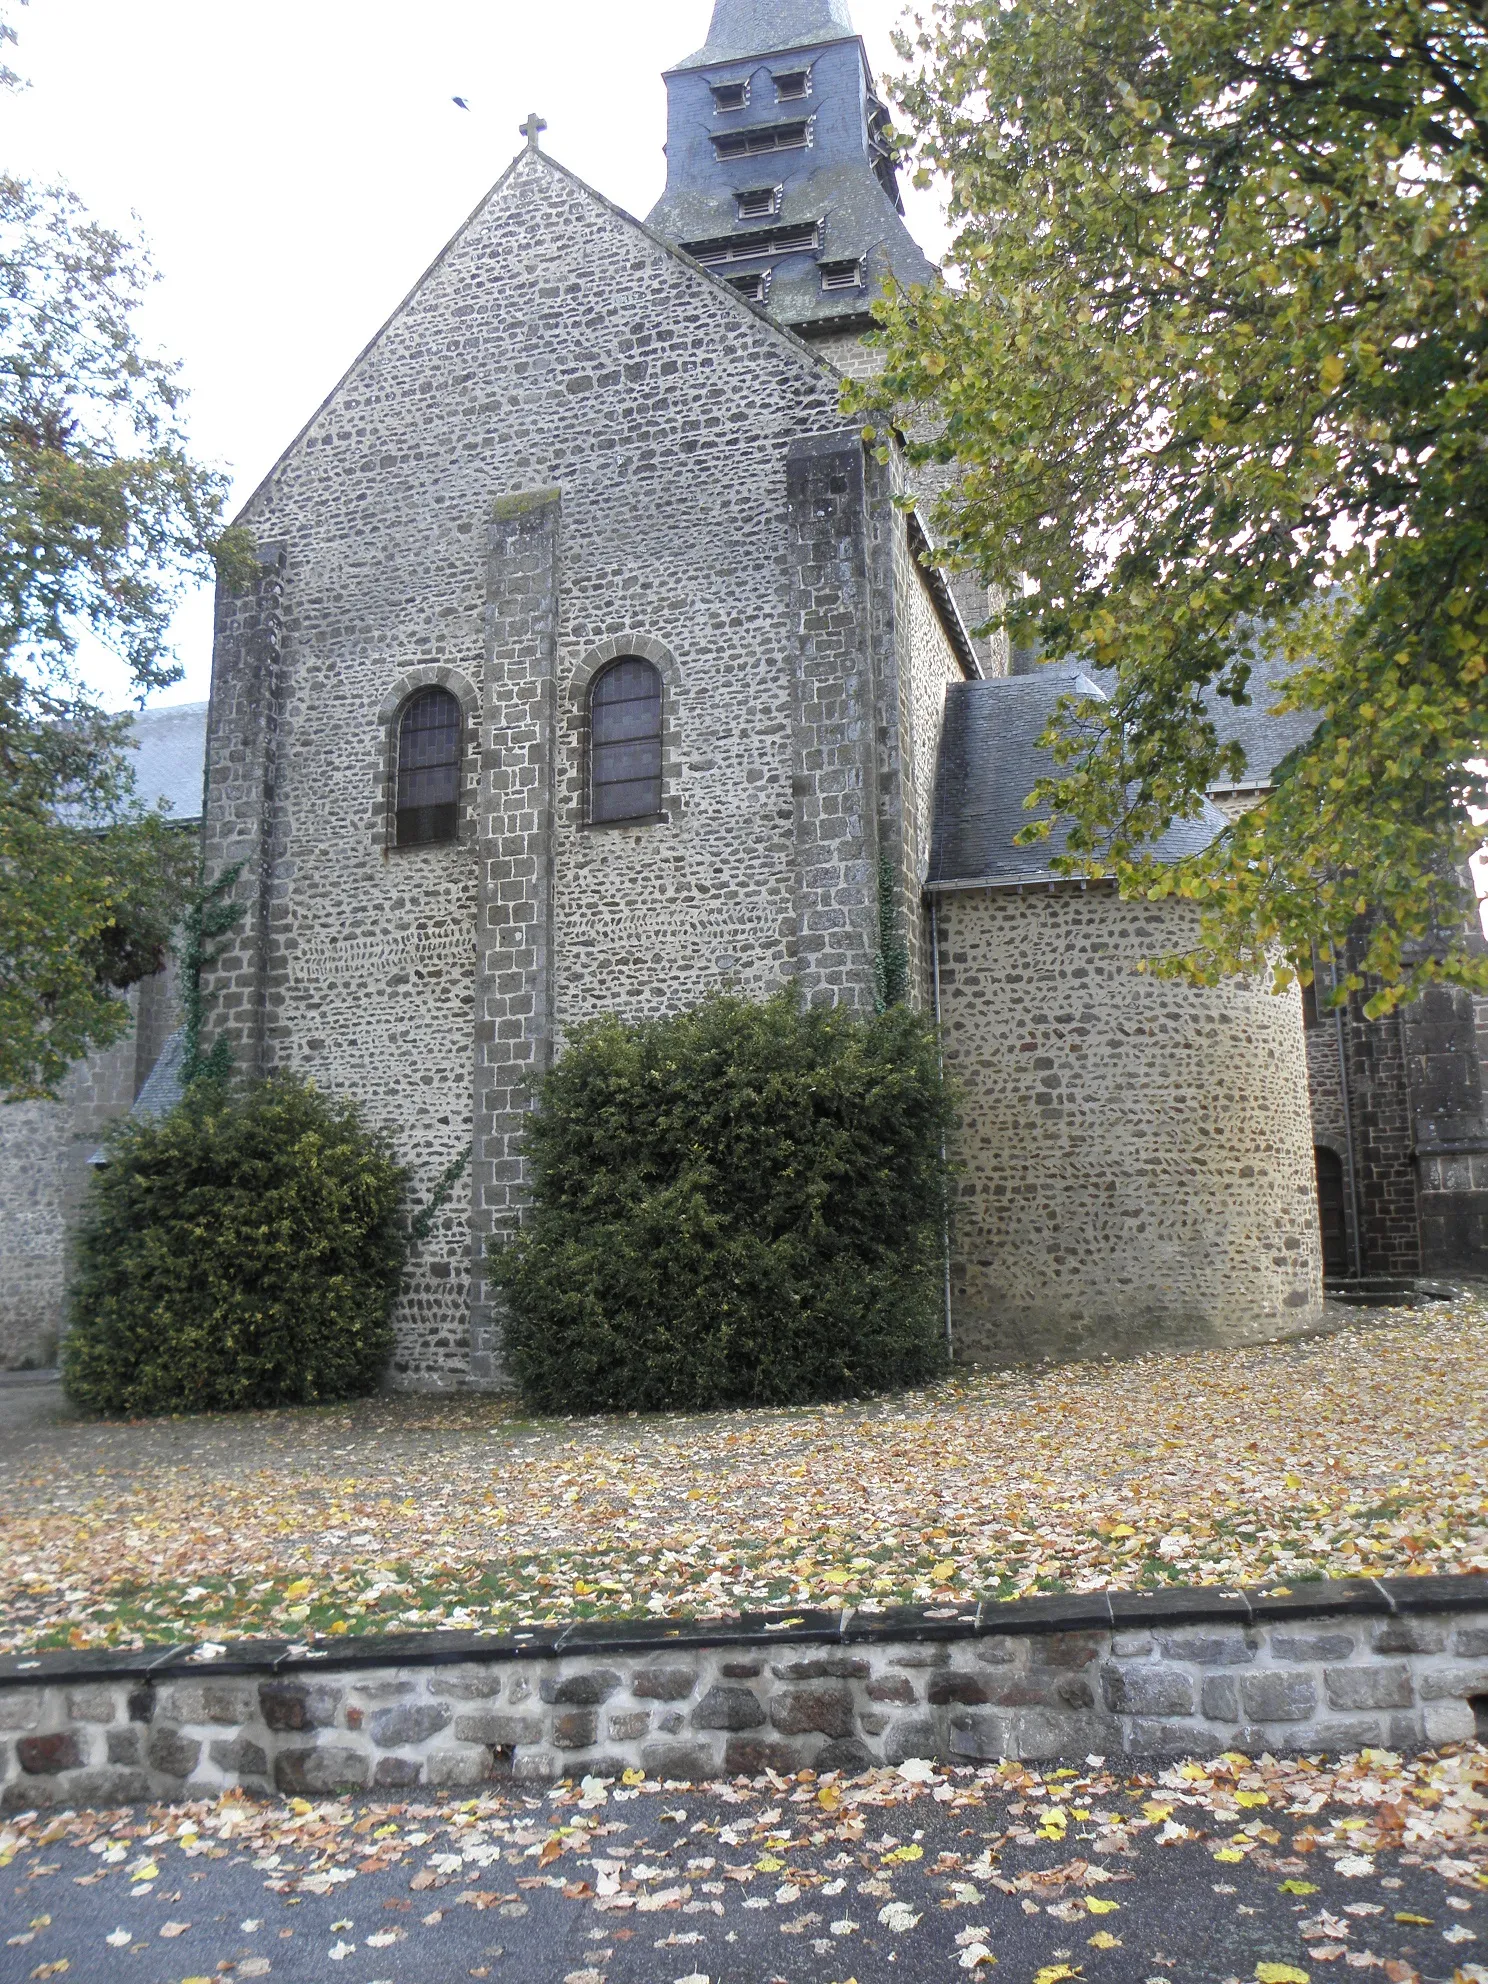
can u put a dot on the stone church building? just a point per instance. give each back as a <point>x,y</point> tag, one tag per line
<point>594,667</point>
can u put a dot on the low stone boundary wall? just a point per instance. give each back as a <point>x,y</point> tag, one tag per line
<point>1398,1663</point>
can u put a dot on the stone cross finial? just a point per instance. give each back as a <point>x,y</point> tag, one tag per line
<point>533,129</point>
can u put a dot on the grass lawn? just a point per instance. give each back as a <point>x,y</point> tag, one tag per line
<point>1362,1452</point>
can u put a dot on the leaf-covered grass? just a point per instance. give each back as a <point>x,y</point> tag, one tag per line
<point>1363,1452</point>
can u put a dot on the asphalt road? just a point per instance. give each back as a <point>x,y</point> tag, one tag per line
<point>1178,1915</point>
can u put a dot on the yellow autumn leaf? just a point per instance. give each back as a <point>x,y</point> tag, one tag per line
<point>1333,369</point>
<point>1123,1529</point>
<point>1281,1973</point>
<point>1157,1813</point>
<point>301,1588</point>
<point>1415,1921</point>
<point>1055,1973</point>
<point>1248,1800</point>
<point>1294,1481</point>
<point>768,1864</point>
<point>1104,1940</point>
<point>150,1872</point>
<point>905,1853</point>
<point>940,1573</point>
<point>633,1777</point>
<point>1297,1887</point>
<point>829,1798</point>
<point>1229,1855</point>
<point>1098,1907</point>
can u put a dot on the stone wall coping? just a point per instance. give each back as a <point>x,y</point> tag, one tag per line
<point>1099,1611</point>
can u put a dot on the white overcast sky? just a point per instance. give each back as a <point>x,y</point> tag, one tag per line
<point>297,164</point>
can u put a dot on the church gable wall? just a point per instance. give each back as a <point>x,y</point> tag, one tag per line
<point>1138,1153</point>
<point>554,346</point>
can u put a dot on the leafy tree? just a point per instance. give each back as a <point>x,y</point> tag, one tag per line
<point>103,517</point>
<point>1213,375</point>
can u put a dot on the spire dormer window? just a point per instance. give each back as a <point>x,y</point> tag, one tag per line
<point>764,138</point>
<point>730,96</point>
<point>763,203</point>
<point>792,85</point>
<point>841,275</point>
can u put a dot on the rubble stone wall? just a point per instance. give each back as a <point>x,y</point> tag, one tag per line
<point>554,346</point>
<point>1176,1673</point>
<point>1137,1152</point>
<point>45,1148</point>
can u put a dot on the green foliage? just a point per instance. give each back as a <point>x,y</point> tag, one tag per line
<point>739,1206</point>
<point>244,1251</point>
<point>891,966</point>
<point>1216,364</point>
<point>89,887</point>
<point>423,1222</point>
<point>104,516</point>
<point>103,513</point>
<point>211,914</point>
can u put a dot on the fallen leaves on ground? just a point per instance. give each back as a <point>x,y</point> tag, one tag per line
<point>1353,1454</point>
<point>633,1853</point>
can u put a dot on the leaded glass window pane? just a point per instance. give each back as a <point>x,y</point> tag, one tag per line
<point>430,756</point>
<point>625,743</point>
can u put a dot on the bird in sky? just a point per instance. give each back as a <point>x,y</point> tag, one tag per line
<point>459,103</point>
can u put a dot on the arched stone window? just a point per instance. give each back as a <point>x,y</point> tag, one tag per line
<point>625,742</point>
<point>431,752</point>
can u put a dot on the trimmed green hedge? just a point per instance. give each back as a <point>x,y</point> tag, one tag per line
<point>244,1251</point>
<point>740,1206</point>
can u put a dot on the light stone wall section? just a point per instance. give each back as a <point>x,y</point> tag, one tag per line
<point>1138,1153</point>
<point>36,1149</point>
<point>555,346</point>
<point>45,1148</point>
<point>1331,1683</point>
<point>928,668</point>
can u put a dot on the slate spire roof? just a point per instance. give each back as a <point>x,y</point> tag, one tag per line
<point>780,172</point>
<point>763,27</point>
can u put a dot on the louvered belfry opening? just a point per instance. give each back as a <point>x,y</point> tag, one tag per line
<point>625,743</point>
<point>430,758</point>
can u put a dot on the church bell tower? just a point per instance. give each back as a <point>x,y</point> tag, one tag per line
<point>780,178</point>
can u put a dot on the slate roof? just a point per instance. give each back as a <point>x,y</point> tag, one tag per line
<point>170,764</point>
<point>165,1087</point>
<point>1267,739</point>
<point>842,181</point>
<point>764,27</point>
<point>859,221</point>
<point>990,760</point>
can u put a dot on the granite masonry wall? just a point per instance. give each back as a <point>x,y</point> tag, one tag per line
<point>1449,1123</point>
<point>1322,1668</point>
<point>1138,1156</point>
<point>45,1149</point>
<point>554,347</point>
